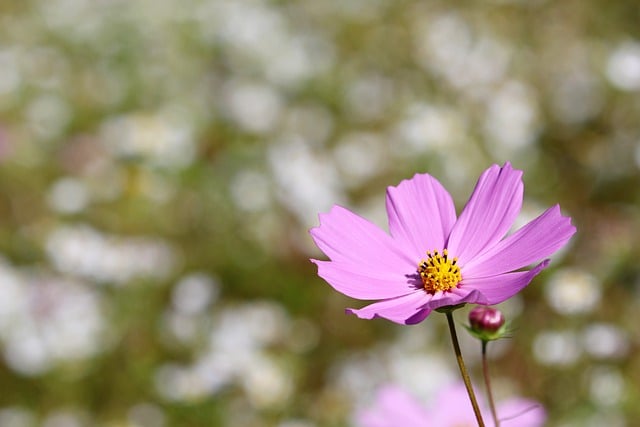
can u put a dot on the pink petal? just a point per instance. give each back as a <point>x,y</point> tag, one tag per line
<point>453,408</point>
<point>537,240</point>
<point>489,213</point>
<point>398,310</point>
<point>520,412</point>
<point>393,407</point>
<point>346,237</point>
<point>499,288</point>
<point>415,307</point>
<point>364,283</point>
<point>421,213</point>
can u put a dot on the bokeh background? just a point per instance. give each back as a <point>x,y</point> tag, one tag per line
<point>161,162</point>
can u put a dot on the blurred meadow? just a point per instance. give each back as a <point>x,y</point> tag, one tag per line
<point>161,162</point>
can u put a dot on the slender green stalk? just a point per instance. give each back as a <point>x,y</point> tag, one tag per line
<point>487,383</point>
<point>463,369</point>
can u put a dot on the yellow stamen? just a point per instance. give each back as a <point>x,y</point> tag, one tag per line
<point>438,272</point>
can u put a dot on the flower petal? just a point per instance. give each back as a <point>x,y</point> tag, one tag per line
<point>398,310</point>
<point>393,407</point>
<point>537,240</point>
<point>345,236</point>
<point>521,413</point>
<point>356,281</point>
<point>489,213</point>
<point>415,307</point>
<point>421,213</point>
<point>453,408</point>
<point>496,289</point>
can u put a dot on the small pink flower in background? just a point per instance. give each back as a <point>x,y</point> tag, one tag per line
<point>487,324</point>
<point>486,319</point>
<point>393,407</point>
<point>432,259</point>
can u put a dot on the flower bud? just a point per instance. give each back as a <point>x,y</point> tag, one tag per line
<point>486,323</point>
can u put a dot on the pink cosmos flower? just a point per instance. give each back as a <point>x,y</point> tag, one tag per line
<point>393,406</point>
<point>432,259</point>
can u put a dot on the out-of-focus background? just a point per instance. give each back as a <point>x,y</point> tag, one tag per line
<point>161,162</point>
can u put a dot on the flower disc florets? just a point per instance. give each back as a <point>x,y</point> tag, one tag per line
<point>438,272</point>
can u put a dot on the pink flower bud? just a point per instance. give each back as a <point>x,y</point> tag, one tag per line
<point>486,319</point>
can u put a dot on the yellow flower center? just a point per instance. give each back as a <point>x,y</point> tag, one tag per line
<point>438,272</point>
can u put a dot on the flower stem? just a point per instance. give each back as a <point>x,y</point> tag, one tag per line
<point>487,383</point>
<point>463,369</point>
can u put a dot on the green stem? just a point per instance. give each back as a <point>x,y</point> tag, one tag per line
<point>463,369</point>
<point>487,383</point>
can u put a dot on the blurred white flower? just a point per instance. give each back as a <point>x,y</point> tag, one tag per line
<point>236,354</point>
<point>307,181</point>
<point>447,44</point>
<point>406,361</point>
<point>172,382</point>
<point>265,383</point>
<point>255,107</point>
<point>182,327</point>
<point>358,374</point>
<point>637,154</point>
<point>428,127</point>
<point>68,195</point>
<point>577,96</point>
<point>561,348</point>
<point>146,414</point>
<point>45,320</point>
<point>511,122</point>
<point>607,386</point>
<point>253,28</point>
<point>251,190</point>
<point>194,293</point>
<point>605,341</point>
<point>63,418</point>
<point>360,156</point>
<point>10,76</point>
<point>164,139</point>
<point>297,58</point>
<point>27,354</point>
<point>421,373</point>
<point>72,18</point>
<point>623,66</point>
<point>48,116</point>
<point>14,416</point>
<point>571,291</point>
<point>85,252</point>
<point>604,417</point>
<point>248,327</point>
<point>297,423</point>
<point>256,35</point>
<point>368,97</point>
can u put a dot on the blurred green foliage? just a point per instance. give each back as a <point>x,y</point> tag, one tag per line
<point>145,142</point>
